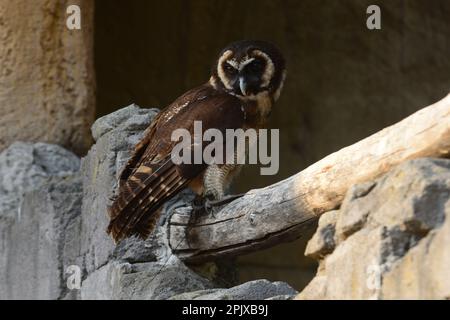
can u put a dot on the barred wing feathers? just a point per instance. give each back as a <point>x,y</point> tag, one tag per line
<point>150,178</point>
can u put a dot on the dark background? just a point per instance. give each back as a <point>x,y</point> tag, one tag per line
<point>344,81</point>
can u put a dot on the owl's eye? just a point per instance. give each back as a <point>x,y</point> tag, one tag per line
<point>229,68</point>
<point>256,66</point>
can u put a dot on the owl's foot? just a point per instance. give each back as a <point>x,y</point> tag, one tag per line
<point>197,204</point>
<point>209,208</point>
<point>202,206</point>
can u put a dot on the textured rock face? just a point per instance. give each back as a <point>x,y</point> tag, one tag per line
<point>115,136</point>
<point>46,74</point>
<point>25,167</point>
<point>40,199</point>
<point>389,239</point>
<point>252,290</point>
<point>42,243</point>
<point>141,281</point>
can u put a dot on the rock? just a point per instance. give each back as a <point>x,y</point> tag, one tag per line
<point>25,167</point>
<point>131,118</point>
<point>252,290</point>
<point>50,222</point>
<point>385,230</point>
<point>282,297</point>
<point>323,241</point>
<point>354,216</point>
<point>40,203</point>
<point>115,135</point>
<point>423,272</point>
<point>141,281</point>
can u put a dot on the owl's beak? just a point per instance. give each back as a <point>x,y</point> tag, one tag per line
<point>243,85</point>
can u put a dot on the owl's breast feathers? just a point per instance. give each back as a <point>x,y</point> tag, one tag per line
<point>150,178</point>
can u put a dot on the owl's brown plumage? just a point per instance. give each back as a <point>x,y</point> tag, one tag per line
<point>238,98</point>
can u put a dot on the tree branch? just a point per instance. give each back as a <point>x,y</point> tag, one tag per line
<point>280,212</point>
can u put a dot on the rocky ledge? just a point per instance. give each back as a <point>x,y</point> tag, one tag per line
<point>389,240</point>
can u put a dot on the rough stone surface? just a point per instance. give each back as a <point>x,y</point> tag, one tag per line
<point>42,243</point>
<point>40,198</point>
<point>282,297</point>
<point>141,281</point>
<point>384,233</point>
<point>323,241</point>
<point>252,290</point>
<point>47,78</point>
<point>115,135</point>
<point>25,167</point>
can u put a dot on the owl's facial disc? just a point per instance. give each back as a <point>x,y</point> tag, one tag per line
<point>245,75</point>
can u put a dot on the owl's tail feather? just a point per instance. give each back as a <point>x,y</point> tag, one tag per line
<point>142,194</point>
<point>148,222</point>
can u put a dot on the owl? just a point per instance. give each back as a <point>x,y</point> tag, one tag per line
<point>246,80</point>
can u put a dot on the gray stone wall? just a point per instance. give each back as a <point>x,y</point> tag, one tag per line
<point>40,201</point>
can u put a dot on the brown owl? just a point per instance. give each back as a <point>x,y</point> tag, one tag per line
<point>246,80</point>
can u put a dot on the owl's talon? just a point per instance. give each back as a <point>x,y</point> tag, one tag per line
<point>197,204</point>
<point>209,207</point>
<point>203,205</point>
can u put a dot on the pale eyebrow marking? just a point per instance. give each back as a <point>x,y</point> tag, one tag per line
<point>241,65</point>
<point>270,68</point>
<point>227,54</point>
<point>245,62</point>
<point>233,63</point>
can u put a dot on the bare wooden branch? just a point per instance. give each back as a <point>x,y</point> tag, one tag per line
<point>279,212</point>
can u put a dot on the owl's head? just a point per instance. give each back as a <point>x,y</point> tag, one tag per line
<point>247,68</point>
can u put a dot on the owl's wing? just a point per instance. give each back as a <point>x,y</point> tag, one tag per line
<point>150,178</point>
